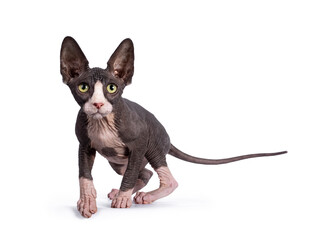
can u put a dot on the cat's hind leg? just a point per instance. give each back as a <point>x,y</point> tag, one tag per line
<point>167,185</point>
<point>143,179</point>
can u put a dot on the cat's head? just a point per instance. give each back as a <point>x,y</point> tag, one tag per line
<point>96,90</point>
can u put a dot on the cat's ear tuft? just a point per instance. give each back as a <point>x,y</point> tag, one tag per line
<point>72,60</point>
<point>121,62</point>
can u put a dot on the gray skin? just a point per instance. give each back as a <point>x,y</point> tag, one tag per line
<point>143,139</point>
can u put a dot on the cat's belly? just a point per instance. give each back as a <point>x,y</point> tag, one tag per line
<point>113,151</point>
<point>118,160</point>
<point>115,155</point>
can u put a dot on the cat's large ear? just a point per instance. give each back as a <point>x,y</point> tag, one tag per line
<point>72,60</point>
<point>120,63</point>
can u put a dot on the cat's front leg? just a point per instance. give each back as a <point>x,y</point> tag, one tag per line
<point>123,198</point>
<point>87,202</point>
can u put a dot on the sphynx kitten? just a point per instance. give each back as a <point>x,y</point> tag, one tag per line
<point>122,131</point>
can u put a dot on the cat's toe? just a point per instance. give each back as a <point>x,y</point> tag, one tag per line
<point>87,206</point>
<point>113,193</point>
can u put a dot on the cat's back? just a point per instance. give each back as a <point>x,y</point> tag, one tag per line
<point>157,134</point>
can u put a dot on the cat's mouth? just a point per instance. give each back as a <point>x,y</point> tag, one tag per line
<point>97,110</point>
<point>98,115</point>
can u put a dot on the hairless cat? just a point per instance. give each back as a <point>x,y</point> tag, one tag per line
<point>125,133</point>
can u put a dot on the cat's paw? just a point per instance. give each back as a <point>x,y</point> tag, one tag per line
<point>113,193</point>
<point>87,206</point>
<point>87,202</point>
<point>142,198</point>
<point>122,200</point>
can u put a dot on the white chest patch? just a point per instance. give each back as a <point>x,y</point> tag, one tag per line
<point>102,134</point>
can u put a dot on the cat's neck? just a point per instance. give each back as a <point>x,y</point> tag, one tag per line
<point>105,122</point>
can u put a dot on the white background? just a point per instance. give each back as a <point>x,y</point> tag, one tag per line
<point>224,77</point>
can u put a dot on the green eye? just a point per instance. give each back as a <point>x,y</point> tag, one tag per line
<point>111,88</point>
<point>83,87</point>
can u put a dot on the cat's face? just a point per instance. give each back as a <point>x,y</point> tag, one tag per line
<point>96,90</point>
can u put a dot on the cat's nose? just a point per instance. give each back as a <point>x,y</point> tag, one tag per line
<point>98,105</point>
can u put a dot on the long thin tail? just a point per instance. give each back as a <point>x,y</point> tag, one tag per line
<point>183,156</point>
